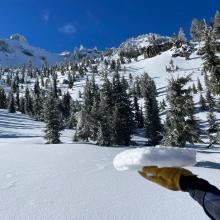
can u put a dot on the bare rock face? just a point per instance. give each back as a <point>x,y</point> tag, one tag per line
<point>19,38</point>
<point>4,47</point>
<point>154,50</point>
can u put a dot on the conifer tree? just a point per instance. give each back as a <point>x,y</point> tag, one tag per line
<point>217,25</point>
<point>152,124</point>
<point>210,64</point>
<point>122,122</point>
<point>210,100</point>
<point>177,131</point>
<point>38,104</point>
<point>105,132</point>
<point>138,116</point>
<point>194,89</point>
<point>209,50</point>
<point>202,103</point>
<point>22,105</point>
<point>213,127</point>
<point>66,105</point>
<point>194,30</point>
<point>52,120</point>
<point>199,85</point>
<point>17,100</point>
<point>3,99</point>
<point>37,88</point>
<point>181,35</point>
<point>11,103</point>
<point>28,105</point>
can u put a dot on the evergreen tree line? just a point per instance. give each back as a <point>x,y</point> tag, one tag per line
<point>111,113</point>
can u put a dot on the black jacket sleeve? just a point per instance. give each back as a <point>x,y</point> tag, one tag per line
<point>207,195</point>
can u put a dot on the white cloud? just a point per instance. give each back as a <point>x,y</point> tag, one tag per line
<point>68,29</point>
<point>45,16</point>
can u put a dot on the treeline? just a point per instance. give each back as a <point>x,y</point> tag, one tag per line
<point>111,113</point>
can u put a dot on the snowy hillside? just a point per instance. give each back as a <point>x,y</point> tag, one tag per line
<point>78,181</point>
<point>17,51</point>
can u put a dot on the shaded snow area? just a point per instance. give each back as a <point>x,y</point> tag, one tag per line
<point>135,159</point>
<point>78,181</point>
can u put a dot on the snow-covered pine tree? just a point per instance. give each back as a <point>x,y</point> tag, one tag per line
<point>152,124</point>
<point>106,111</point>
<point>213,127</point>
<point>217,25</point>
<point>85,129</point>
<point>181,35</point>
<point>52,120</point>
<point>194,30</point>
<point>177,131</point>
<point>211,63</point>
<point>210,100</point>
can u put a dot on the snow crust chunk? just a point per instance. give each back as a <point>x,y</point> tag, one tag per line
<point>135,159</point>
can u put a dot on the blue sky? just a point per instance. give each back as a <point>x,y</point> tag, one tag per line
<point>58,25</point>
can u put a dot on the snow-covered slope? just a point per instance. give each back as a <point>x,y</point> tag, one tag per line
<point>144,41</point>
<point>17,51</point>
<point>78,181</point>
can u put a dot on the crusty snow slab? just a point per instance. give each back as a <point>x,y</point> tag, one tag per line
<point>135,159</point>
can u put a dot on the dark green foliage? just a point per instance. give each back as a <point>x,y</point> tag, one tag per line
<point>211,63</point>
<point>202,103</point>
<point>180,125</point>
<point>52,120</point>
<point>66,105</point>
<point>213,127</point>
<point>199,85</point>
<point>11,103</point>
<point>17,101</point>
<point>210,100</point>
<point>28,104</point>
<point>37,88</point>
<point>3,99</point>
<point>152,124</point>
<point>122,123</point>
<point>138,114</point>
<point>22,105</point>
<point>194,89</point>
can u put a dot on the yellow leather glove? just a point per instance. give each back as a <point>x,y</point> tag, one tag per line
<point>168,177</point>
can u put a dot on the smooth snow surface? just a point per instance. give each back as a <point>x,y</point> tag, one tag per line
<point>78,181</point>
<point>135,159</point>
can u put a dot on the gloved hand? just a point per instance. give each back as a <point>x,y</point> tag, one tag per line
<point>168,177</point>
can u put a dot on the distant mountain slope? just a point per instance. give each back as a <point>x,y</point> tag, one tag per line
<point>17,51</point>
